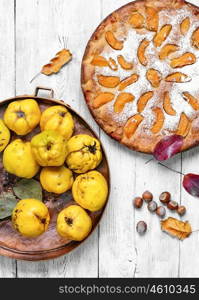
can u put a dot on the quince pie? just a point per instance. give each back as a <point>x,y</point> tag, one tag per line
<point>140,73</point>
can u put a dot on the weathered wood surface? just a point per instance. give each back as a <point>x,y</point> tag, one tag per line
<point>7,86</point>
<point>33,33</point>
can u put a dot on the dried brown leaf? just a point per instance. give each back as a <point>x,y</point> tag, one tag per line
<point>56,63</point>
<point>176,228</point>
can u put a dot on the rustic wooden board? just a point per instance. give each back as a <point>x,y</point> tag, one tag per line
<point>115,250</point>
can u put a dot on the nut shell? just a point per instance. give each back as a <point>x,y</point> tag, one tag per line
<point>181,210</point>
<point>152,206</point>
<point>147,196</point>
<point>141,227</point>
<point>172,205</point>
<point>138,202</point>
<point>165,197</point>
<point>161,211</point>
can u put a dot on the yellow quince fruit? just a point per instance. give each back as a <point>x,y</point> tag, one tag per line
<point>83,153</point>
<point>4,135</point>
<point>56,180</point>
<point>59,119</point>
<point>18,159</point>
<point>90,190</point>
<point>22,116</point>
<point>74,223</point>
<point>30,217</point>
<point>49,148</point>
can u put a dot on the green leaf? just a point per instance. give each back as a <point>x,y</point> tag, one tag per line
<point>7,204</point>
<point>28,188</point>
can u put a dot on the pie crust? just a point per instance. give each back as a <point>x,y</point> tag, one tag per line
<point>140,73</point>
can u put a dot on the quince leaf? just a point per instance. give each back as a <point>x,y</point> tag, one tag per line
<point>7,204</point>
<point>28,189</point>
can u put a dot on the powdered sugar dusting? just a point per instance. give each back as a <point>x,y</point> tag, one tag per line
<point>131,44</point>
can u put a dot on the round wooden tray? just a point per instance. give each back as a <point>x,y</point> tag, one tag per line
<point>49,245</point>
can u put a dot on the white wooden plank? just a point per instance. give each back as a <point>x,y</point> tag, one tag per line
<point>7,86</point>
<point>7,56</point>
<point>189,260</point>
<point>80,263</point>
<point>117,255</point>
<point>154,257</point>
<point>47,25</point>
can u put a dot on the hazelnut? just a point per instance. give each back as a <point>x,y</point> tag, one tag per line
<point>147,196</point>
<point>165,197</point>
<point>138,202</point>
<point>172,205</point>
<point>152,206</point>
<point>141,227</point>
<point>161,211</point>
<point>181,210</point>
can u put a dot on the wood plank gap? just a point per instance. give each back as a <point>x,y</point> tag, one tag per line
<point>179,249</point>
<point>116,236</point>
<point>16,269</point>
<point>134,229</point>
<point>101,10</point>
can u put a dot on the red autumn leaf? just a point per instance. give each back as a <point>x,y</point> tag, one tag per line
<point>191,184</point>
<point>168,147</point>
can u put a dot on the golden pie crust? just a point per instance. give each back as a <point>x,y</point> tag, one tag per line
<point>140,73</point>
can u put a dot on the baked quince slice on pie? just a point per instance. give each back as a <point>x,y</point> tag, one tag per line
<point>140,73</point>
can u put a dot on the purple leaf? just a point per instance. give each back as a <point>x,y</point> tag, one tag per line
<point>168,147</point>
<point>191,184</point>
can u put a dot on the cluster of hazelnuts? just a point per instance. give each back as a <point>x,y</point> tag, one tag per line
<point>164,198</point>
